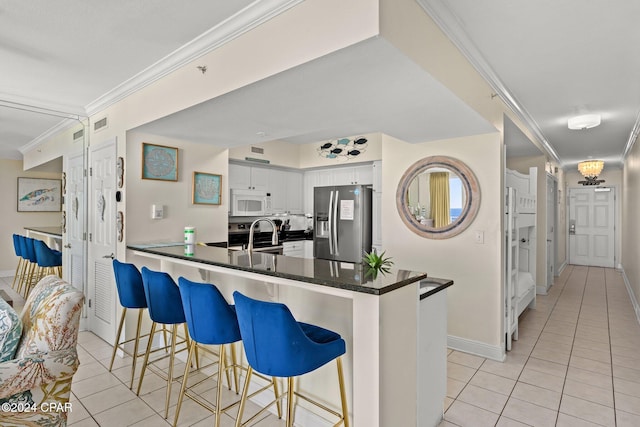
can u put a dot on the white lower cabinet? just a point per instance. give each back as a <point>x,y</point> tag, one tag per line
<point>298,249</point>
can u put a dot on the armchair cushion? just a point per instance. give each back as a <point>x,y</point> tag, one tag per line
<point>39,377</point>
<point>10,331</point>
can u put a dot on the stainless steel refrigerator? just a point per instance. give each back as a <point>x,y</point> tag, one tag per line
<point>342,222</point>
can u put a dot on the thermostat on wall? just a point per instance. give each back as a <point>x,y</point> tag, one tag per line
<point>157,211</point>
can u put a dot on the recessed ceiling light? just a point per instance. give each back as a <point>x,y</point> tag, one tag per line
<point>586,121</point>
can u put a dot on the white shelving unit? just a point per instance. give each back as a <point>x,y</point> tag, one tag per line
<point>520,240</point>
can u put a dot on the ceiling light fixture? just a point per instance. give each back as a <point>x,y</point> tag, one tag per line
<point>586,121</point>
<point>590,169</point>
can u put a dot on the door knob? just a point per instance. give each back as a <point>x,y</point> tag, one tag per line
<point>112,256</point>
<point>68,246</point>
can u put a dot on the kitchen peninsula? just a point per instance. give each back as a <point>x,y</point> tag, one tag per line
<point>52,236</point>
<point>398,353</point>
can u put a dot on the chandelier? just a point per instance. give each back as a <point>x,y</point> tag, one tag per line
<point>590,169</point>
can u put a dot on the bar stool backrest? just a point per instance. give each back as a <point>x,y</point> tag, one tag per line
<point>31,252</point>
<point>275,343</point>
<point>45,256</point>
<point>24,253</point>
<point>210,318</point>
<point>16,245</point>
<point>163,297</point>
<point>129,284</point>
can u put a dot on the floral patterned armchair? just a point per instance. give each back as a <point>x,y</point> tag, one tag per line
<point>35,385</point>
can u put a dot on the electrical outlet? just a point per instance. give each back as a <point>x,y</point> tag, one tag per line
<point>480,237</point>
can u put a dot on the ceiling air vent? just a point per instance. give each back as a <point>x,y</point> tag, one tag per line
<point>78,135</point>
<point>100,124</point>
<point>257,150</point>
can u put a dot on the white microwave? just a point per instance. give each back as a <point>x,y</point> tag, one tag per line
<point>249,203</point>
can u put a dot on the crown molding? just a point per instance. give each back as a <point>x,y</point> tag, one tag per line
<point>450,26</point>
<point>243,21</point>
<point>51,132</point>
<point>633,137</point>
<point>34,106</point>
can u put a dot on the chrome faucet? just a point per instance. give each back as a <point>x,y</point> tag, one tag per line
<point>274,237</point>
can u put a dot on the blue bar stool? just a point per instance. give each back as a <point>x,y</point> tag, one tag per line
<point>17,248</point>
<point>277,345</point>
<point>211,321</point>
<point>49,261</point>
<point>165,307</point>
<point>131,295</point>
<point>26,262</point>
<point>30,277</point>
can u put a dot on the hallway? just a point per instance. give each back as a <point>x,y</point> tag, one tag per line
<point>576,363</point>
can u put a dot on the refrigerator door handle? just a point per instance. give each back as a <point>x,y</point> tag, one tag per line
<point>334,225</point>
<point>331,223</point>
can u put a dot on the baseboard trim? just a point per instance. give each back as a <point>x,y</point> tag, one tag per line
<point>561,269</point>
<point>542,290</point>
<point>632,296</point>
<point>478,348</point>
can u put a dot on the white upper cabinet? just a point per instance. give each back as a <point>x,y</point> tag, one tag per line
<point>345,175</point>
<point>248,177</point>
<point>377,176</point>
<point>285,188</point>
<point>277,190</point>
<point>294,203</point>
<point>362,175</point>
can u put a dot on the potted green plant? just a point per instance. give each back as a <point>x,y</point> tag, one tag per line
<point>376,263</point>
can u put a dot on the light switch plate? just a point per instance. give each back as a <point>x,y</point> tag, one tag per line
<point>480,237</point>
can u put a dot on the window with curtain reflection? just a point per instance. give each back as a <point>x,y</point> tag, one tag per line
<point>439,199</point>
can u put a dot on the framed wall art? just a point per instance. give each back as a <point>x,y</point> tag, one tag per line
<point>159,162</point>
<point>206,188</point>
<point>39,195</point>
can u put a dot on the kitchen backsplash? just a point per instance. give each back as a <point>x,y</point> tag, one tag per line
<point>297,222</point>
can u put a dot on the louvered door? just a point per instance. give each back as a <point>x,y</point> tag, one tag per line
<point>102,239</point>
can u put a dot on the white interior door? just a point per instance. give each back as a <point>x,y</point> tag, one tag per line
<point>102,239</point>
<point>591,226</point>
<point>74,270</point>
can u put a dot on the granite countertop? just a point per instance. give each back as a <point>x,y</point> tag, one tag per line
<point>342,275</point>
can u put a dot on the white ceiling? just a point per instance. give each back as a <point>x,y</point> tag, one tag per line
<point>553,59</point>
<point>557,59</point>
<point>367,87</point>
<point>62,55</point>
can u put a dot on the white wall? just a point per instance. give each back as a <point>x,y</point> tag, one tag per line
<point>631,225</point>
<point>475,300</point>
<point>276,153</point>
<point>210,220</point>
<point>14,221</point>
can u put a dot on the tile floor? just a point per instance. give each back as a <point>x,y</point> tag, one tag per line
<point>576,363</point>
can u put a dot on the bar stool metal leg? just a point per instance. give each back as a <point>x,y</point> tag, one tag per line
<point>343,394</point>
<point>146,358</point>
<point>172,355</point>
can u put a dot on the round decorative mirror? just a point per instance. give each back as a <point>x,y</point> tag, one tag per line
<point>438,197</point>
